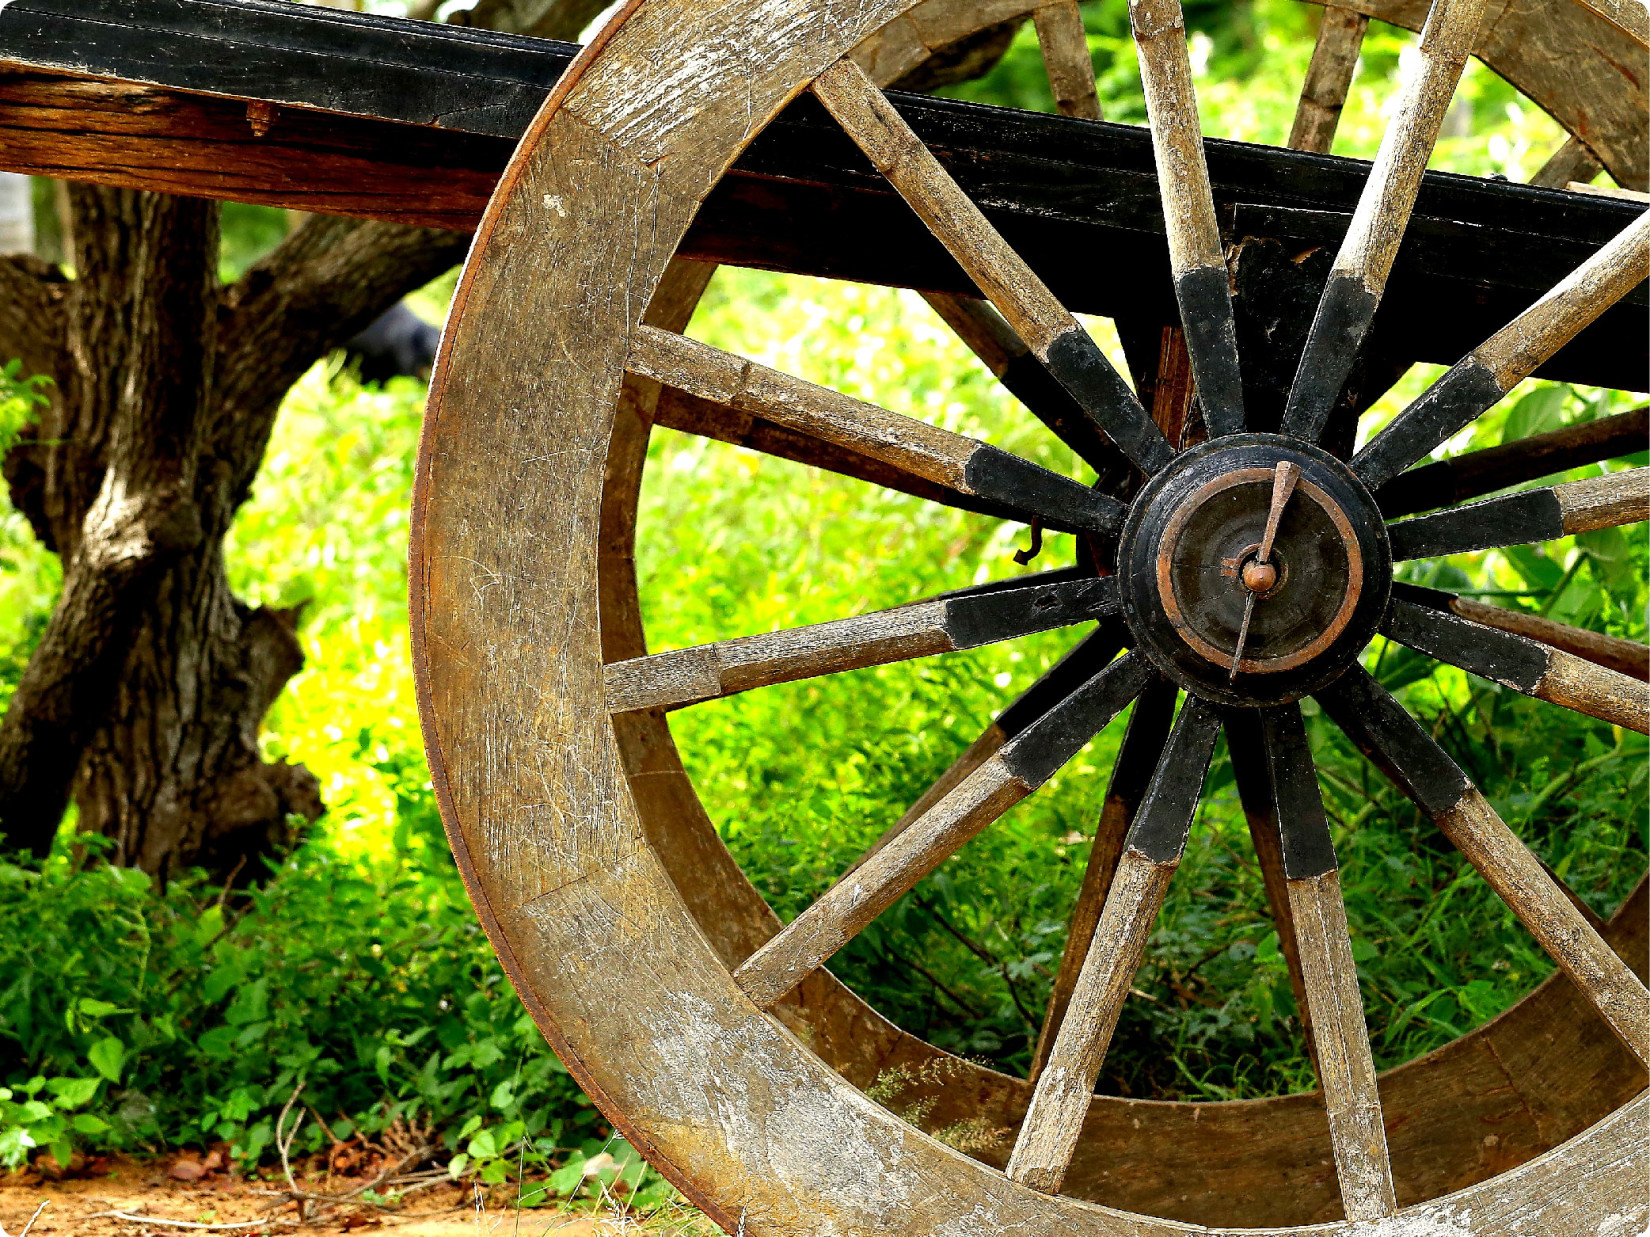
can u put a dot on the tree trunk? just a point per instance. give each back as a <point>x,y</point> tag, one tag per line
<point>147,691</point>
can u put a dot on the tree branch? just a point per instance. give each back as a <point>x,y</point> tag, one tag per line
<point>31,313</point>
<point>319,287</point>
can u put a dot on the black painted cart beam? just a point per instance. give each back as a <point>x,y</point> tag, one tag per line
<point>413,121</point>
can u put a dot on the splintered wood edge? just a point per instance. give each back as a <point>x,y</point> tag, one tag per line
<point>508,667</point>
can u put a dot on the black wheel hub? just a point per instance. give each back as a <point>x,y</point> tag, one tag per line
<point>1189,570</point>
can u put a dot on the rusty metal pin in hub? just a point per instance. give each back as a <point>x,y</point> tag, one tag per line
<point>1259,575</point>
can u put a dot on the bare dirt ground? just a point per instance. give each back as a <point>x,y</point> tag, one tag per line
<point>152,1203</point>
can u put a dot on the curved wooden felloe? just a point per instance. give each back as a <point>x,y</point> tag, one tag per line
<point>569,825</point>
<point>1583,70</point>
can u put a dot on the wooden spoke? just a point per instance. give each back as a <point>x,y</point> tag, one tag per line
<point>1196,254</point>
<point>1346,1067</point>
<point>690,414</point>
<point>1056,338</point>
<point>953,461</point>
<point>1142,749</point>
<point>1623,656</point>
<point>1005,354</point>
<point>941,625</point>
<point>1091,655</point>
<point>1066,57</point>
<point>1479,380</point>
<point>1526,517</point>
<point>1571,161</point>
<point>1462,478</point>
<point>1155,842</point>
<point>1329,77</point>
<point>1403,749</point>
<point>1516,662</point>
<point>1019,767</point>
<point>1254,786</point>
<point>1358,276</point>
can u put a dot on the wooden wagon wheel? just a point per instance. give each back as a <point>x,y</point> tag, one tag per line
<point>554,772</point>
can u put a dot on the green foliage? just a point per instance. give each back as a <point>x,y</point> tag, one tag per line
<point>133,1017</point>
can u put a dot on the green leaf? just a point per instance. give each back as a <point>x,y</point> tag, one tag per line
<point>85,1123</point>
<point>219,1042</point>
<point>94,1008</point>
<point>457,1165</point>
<point>481,1146</point>
<point>503,1095</point>
<point>72,1092</point>
<point>107,1056</point>
<point>566,1179</point>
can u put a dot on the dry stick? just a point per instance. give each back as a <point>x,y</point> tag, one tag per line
<point>1417,620</point>
<point>922,629</point>
<point>1462,478</point>
<point>1345,1064</point>
<point>1359,274</point>
<point>44,1203</point>
<point>1048,328</point>
<point>950,460</point>
<point>1528,516</point>
<point>1328,79</point>
<point>1054,1120</point>
<point>1066,56</point>
<point>1137,759</point>
<point>1403,749</point>
<point>1023,764</point>
<point>1196,255</point>
<point>1513,353</point>
<point>137,1219</point>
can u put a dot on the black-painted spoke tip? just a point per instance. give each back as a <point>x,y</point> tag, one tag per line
<point>1079,365</point>
<point>1338,330</point>
<point>1205,297</point>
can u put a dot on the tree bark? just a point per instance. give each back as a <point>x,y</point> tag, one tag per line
<point>145,695</point>
<point>144,698</point>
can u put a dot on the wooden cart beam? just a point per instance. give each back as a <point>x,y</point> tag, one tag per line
<point>412,122</point>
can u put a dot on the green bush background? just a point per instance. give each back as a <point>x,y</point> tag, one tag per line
<point>142,1019</point>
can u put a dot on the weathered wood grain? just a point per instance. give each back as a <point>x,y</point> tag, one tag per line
<point>1137,760</point>
<point>1629,17</point>
<point>1254,786</point>
<point>1413,759</point>
<point>1367,252</point>
<point>1090,655</point>
<point>690,414</point>
<point>1582,70</point>
<point>1328,78</point>
<point>1623,656</point>
<point>845,909</point>
<point>503,577</point>
<point>945,459</point>
<point>1604,502</point>
<point>1065,48</point>
<point>1517,662</point>
<point>1346,1069</point>
<point>1461,478</point>
<point>1572,161</point>
<point>1196,253</point>
<point>1478,380</point>
<point>1036,315</point>
<point>1527,516</point>
<point>920,629</point>
<point>1006,355</point>
<point>1509,868</point>
<point>1156,840</point>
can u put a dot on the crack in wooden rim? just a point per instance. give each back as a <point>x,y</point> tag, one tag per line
<point>1223,657</point>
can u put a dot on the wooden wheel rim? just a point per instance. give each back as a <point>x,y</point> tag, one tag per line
<point>531,779</point>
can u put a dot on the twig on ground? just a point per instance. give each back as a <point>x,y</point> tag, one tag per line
<point>137,1219</point>
<point>44,1203</point>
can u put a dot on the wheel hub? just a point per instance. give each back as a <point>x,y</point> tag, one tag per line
<point>1200,579</point>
